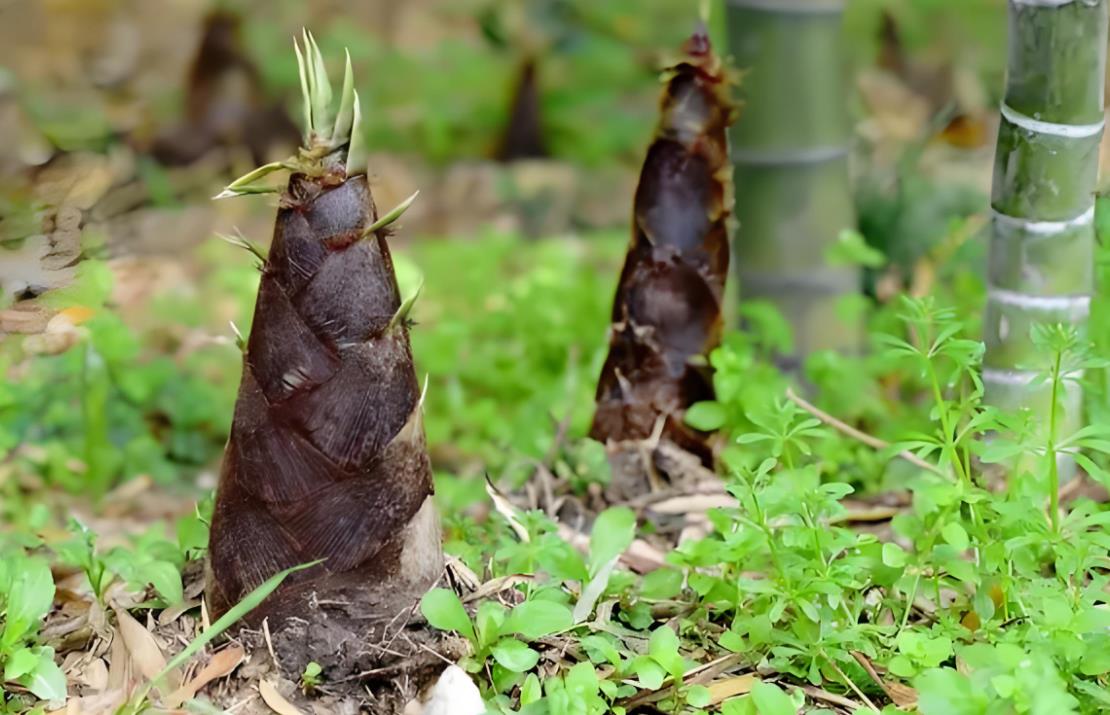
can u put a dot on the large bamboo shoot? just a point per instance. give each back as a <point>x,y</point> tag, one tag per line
<point>326,462</point>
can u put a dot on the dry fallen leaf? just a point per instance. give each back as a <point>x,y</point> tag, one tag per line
<point>694,503</point>
<point>144,650</point>
<point>99,704</point>
<point>119,665</point>
<point>722,690</point>
<point>903,696</point>
<point>640,556</point>
<point>221,664</point>
<point>275,700</point>
<point>94,674</point>
<point>508,510</point>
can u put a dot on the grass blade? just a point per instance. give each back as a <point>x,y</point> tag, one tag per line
<point>251,601</point>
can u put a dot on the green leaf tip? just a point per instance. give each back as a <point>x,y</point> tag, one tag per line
<point>402,315</point>
<point>323,134</point>
<point>357,156</point>
<point>241,241</point>
<point>240,341</point>
<point>245,184</point>
<point>392,216</point>
<point>705,9</point>
<point>316,94</point>
<point>344,118</point>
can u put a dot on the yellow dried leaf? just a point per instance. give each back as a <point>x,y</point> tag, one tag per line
<point>74,315</point>
<point>221,664</point>
<point>144,650</point>
<point>722,690</point>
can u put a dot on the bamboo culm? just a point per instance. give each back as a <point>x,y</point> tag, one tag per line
<point>1042,233</point>
<point>790,153</point>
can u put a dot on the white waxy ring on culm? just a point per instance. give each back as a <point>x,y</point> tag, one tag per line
<point>1044,3</point>
<point>1080,303</point>
<point>1037,126</point>
<point>1045,227</point>
<point>813,155</point>
<point>1018,377</point>
<point>798,7</point>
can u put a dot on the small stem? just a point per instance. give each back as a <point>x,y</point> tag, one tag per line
<point>769,534</point>
<point>950,451</point>
<point>909,602</point>
<point>1053,467</point>
<point>850,683</point>
<point>811,523</point>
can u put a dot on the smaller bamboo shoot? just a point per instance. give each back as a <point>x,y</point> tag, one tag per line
<point>667,312</point>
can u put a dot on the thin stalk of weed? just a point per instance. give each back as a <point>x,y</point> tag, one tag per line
<point>769,534</point>
<point>1050,451</point>
<point>826,566</point>
<point>850,683</point>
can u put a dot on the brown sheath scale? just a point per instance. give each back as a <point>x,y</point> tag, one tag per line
<point>667,312</point>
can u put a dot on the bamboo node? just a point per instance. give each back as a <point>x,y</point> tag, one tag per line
<point>1039,126</point>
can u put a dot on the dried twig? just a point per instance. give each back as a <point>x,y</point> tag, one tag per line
<point>851,684</point>
<point>832,698</point>
<point>847,429</point>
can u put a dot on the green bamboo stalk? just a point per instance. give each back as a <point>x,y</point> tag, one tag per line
<point>1043,237</point>
<point>790,153</point>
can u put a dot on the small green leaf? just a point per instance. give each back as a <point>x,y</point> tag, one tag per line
<point>600,648</point>
<point>698,696</point>
<point>902,666</point>
<point>851,249</point>
<point>445,611</point>
<point>650,674</point>
<point>531,691</point>
<point>29,598</point>
<point>613,531</point>
<point>661,584</point>
<point>487,622</point>
<point>46,681</point>
<point>739,706</point>
<point>955,535</point>
<point>733,641</point>
<point>663,646</point>
<point>894,556</point>
<point>771,700</point>
<point>706,416</point>
<point>536,619</point>
<point>166,580</point>
<point>514,655</point>
<point>19,663</point>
